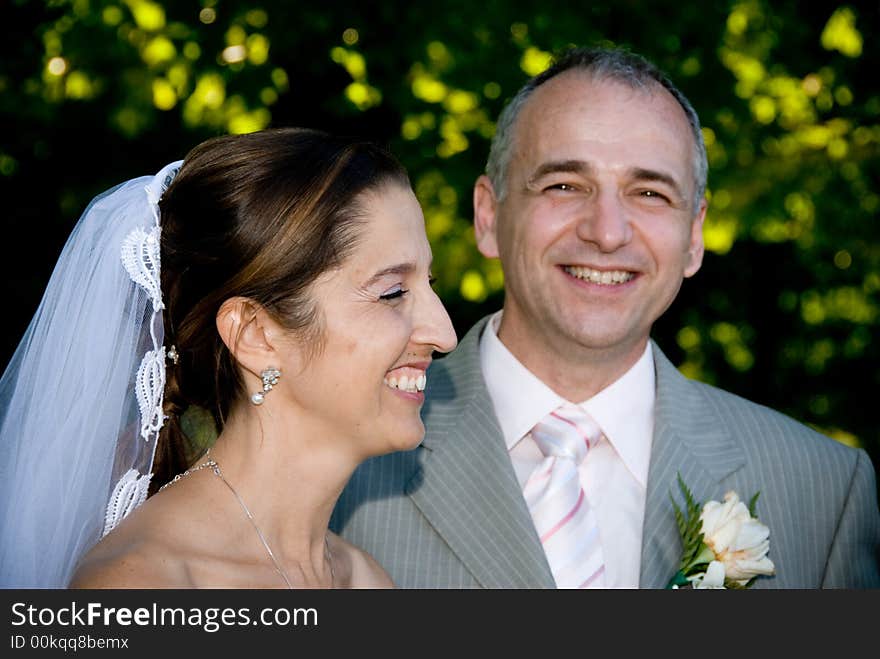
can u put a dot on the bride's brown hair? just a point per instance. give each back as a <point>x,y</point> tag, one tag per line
<point>259,216</point>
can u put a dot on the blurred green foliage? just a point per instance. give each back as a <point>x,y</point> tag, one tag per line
<point>785,308</point>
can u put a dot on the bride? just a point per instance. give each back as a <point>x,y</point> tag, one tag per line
<point>293,307</point>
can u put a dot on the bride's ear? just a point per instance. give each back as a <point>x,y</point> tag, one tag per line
<point>250,333</point>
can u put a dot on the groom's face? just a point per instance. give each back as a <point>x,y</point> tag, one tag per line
<point>597,228</point>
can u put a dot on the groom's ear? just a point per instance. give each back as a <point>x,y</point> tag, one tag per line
<point>696,248</point>
<point>485,217</point>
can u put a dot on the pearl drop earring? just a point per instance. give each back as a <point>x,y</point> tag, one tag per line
<point>270,378</point>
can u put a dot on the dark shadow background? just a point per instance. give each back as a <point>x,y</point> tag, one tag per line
<point>786,306</point>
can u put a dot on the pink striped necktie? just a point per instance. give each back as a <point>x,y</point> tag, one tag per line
<point>563,518</point>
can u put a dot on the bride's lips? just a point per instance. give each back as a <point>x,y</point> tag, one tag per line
<point>408,380</point>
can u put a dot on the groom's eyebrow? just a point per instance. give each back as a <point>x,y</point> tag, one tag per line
<point>649,175</point>
<point>560,166</point>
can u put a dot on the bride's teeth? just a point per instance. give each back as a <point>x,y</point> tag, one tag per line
<point>411,384</point>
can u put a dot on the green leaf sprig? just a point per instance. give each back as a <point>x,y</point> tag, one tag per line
<point>696,554</point>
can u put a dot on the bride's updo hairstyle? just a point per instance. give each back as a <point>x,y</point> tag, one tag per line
<point>260,216</point>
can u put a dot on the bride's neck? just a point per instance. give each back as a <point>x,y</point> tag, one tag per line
<point>288,478</point>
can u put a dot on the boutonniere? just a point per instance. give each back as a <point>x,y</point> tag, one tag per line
<point>723,543</point>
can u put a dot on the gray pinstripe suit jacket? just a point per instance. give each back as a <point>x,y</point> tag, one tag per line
<point>450,514</point>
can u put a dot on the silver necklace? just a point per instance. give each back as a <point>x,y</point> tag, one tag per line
<point>210,462</point>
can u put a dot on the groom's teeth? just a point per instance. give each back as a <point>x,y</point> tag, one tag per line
<point>411,384</point>
<point>603,277</point>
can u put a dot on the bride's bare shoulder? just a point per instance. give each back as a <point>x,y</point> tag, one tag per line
<point>129,567</point>
<point>144,551</point>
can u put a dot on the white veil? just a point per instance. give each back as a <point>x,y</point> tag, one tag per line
<point>81,399</point>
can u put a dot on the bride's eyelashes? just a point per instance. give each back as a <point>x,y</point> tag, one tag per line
<point>394,293</point>
<point>399,291</point>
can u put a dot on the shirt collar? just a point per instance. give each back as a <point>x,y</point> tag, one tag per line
<point>519,397</point>
<point>624,409</point>
<point>625,412</point>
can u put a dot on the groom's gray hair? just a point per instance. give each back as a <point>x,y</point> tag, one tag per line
<point>613,64</point>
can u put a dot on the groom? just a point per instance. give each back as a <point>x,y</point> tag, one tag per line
<point>594,203</point>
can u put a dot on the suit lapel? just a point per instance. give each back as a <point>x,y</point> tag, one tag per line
<point>466,488</point>
<point>688,440</point>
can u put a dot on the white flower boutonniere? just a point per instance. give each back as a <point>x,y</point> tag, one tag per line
<point>724,545</point>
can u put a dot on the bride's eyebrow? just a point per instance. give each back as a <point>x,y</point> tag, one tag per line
<point>399,269</point>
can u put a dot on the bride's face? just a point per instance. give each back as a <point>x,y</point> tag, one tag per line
<point>381,323</point>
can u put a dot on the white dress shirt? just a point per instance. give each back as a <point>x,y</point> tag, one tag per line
<point>614,474</point>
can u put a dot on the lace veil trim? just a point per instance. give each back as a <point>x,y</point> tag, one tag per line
<point>141,258</point>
